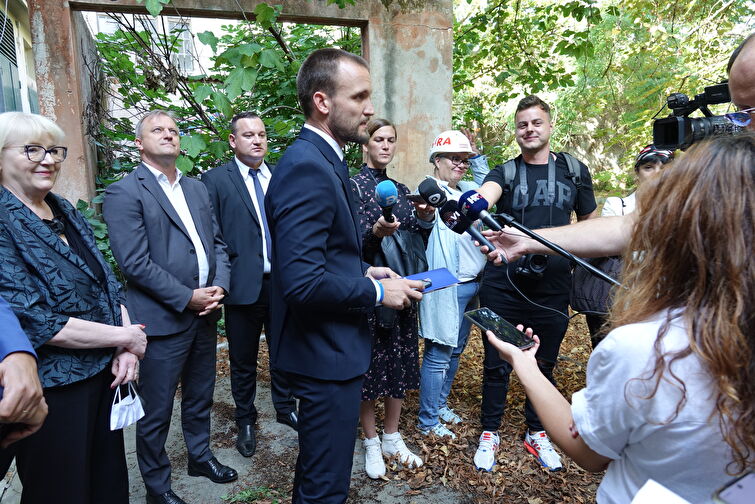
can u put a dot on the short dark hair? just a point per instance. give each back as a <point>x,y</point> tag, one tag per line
<point>319,72</point>
<point>375,124</point>
<point>240,116</point>
<point>532,101</point>
<point>738,50</point>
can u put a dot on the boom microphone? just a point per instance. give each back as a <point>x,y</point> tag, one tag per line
<point>432,193</point>
<point>474,207</point>
<point>459,223</point>
<point>387,196</point>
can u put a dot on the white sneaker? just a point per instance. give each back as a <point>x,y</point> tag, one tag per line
<point>484,458</point>
<point>448,415</point>
<point>439,430</point>
<point>539,444</point>
<point>373,458</point>
<point>393,444</point>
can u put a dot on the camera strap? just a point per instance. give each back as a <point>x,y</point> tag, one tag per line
<point>523,187</point>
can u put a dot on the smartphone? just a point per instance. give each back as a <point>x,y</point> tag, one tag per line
<point>739,491</point>
<point>487,320</point>
<point>415,198</point>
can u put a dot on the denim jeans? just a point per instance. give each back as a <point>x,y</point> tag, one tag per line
<point>440,362</point>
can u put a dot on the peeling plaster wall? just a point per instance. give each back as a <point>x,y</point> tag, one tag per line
<point>407,42</point>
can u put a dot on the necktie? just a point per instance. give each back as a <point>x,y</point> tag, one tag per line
<point>261,204</point>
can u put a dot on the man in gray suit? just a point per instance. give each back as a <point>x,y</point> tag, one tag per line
<point>168,245</point>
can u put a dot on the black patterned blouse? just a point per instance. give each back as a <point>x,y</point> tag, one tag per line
<point>394,367</point>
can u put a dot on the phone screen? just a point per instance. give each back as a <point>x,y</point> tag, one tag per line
<point>487,320</point>
<point>739,491</point>
<point>416,198</point>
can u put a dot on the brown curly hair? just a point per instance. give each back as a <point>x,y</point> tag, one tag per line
<point>696,234</point>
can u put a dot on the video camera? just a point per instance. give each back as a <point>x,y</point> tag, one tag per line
<point>679,131</point>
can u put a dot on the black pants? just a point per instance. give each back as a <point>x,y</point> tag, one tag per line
<point>189,357</point>
<point>74,457</point>
<point>243,325</point>
<point>550,328</point>
<point>328,418</point>
<point>595,324</point>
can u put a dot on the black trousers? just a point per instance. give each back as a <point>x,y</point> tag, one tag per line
<point>243,325</point>
<point>74,457</point>
<point>328,418</point>
<point>595,324</point>
<point>188,357</point>
<point>550,328</point>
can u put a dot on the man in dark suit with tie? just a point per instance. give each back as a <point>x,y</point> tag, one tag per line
<point>237,191</point>
<point>166,241</point>
<point>321,289</point>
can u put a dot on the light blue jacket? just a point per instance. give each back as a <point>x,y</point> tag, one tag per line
<point>439,311</point>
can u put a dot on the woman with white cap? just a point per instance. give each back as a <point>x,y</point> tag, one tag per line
<point>442,322</point>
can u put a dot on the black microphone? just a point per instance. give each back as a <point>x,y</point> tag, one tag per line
<point>459,223</point>
<point>432,193</point>
<point>474,207</point>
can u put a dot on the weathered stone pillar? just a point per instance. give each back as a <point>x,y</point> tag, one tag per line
<point>407,42</point>
<point>56,61</point>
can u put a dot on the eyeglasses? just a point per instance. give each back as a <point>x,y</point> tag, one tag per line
<point>37,153</point>
<point>457,161</point>
<point>741,117</point>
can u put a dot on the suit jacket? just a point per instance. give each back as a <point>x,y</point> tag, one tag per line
<point>241,229</point>
<point>46,283</point>
<point>319,293</point>
<point>155,252</point>
<point>14,339</point>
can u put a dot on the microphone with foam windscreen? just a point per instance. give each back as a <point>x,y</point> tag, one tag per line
<point>432,193</point>
<point>474,207</point>
<point>387,196</point>
<point>459,223</point>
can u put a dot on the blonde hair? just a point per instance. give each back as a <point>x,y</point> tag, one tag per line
<point>24,126</point>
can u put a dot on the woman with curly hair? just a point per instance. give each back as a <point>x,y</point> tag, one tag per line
<point>671,390</point>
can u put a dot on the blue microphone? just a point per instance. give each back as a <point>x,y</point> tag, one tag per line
<point>387,196</point>
<point>457,222</point>
<point>474,207</point>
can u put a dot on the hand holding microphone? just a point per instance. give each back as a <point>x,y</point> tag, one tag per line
<point>474,207</point>
<point>457,222</point>
<point>387,196</point>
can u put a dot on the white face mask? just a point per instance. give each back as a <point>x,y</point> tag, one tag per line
<point>126,410</point>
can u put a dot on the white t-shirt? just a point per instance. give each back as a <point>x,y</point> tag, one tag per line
<point>618,206</point>
<point>686,455</point>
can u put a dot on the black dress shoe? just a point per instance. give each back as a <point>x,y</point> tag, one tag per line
<point>214,470</point>
<point>246,442</point>
<point>289,419</point>
<point>167,498</point>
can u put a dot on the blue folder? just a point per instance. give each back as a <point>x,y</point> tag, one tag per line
<point>440,278</point>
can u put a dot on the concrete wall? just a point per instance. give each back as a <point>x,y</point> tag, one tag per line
<point>408,44</point>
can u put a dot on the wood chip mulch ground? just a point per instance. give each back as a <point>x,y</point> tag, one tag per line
<point>517,477</point>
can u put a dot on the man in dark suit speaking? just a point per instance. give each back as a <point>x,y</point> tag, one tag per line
<point>321,289</point>
<point>166,241</point>
<point>237,191</point>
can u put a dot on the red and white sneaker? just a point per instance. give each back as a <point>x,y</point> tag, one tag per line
<point>539,444</point>
<point>484,458</point>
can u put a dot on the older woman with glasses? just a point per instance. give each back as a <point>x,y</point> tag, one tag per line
<point>68,303</point>
<point>442,322</point>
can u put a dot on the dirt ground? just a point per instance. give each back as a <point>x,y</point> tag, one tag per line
<point>448,476</point>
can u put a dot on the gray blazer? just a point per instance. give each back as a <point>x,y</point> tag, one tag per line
<point>155,253</point>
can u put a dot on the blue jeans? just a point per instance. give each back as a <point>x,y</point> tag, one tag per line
<point>440,362</point>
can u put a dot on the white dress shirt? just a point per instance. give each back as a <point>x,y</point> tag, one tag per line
<point>263,176</point>
<point>176,197</point>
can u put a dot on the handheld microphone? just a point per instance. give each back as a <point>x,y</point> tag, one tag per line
<point>387,196</point>
<point>459,223</point>
<point>474,207</point>
<point>432,193</point>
